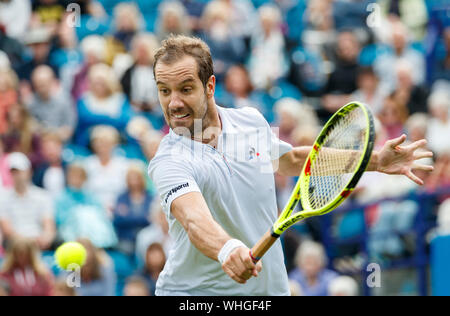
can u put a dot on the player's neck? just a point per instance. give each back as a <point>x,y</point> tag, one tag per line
<point>212,128</point>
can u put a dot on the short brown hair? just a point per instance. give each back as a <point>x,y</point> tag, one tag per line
<point>176,47</point>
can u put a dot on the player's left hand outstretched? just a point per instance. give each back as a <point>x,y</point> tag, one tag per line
<point>395,158</point>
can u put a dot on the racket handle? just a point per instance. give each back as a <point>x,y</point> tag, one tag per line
<point>261,247</point>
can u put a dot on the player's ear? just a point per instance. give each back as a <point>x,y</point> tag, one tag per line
<point>211,86</point>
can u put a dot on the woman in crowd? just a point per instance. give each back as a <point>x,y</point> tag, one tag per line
<point>80,214</point>
<point>127,23</point>
<point>103,103</point>
<point>311,272</point>
<point>131,213</point>
<point>155,259</point>
<point>226,47</point>
<point>268,62</point>
<point>21,135</point>
<point>24,271</point>
<point>94,50</point>
<point>98,277</point>
<point>393,116</point>
<point>106,171</point>
<point>172,19</point>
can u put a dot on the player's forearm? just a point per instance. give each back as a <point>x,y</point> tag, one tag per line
<point>203,231</point>
<point>291,163</point>
<point>207,236</point>
<point>373,163</point>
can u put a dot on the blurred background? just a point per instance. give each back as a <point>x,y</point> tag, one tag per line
<point>80,120</point>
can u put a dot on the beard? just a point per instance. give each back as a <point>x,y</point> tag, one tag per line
<point>194,125</point>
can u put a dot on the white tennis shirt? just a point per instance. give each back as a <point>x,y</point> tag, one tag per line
<point>237,182</point>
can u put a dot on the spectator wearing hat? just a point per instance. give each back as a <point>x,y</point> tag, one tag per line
<point>50,106</point>
<point>38,40</point>
<point>26,210</point>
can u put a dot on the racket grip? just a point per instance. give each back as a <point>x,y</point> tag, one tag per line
<point>261,247</point>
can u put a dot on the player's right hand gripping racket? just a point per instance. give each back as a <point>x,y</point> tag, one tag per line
<point>339,157</point>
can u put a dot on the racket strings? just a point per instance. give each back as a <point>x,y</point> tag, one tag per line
<point>337,159</point>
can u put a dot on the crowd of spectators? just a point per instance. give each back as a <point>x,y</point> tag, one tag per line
<point>80,120</point>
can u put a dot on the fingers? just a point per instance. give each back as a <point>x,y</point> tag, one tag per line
<point>414,178</point>
<point>422,154</point>
<point>257,269</point>
<point>239,265</point>
<point>417,144</point>
<point>422,167</point>
<point>235,277</point>
<point>397,141</point>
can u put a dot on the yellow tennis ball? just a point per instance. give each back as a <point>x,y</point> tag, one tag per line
<point>70,253</point>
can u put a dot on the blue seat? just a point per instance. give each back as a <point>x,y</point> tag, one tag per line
<point>258,3</point>
<point>148,6</point>
<point>150,19</point>
<point>371,52</point>
<point>91,26</point>
<point>49,260</point>
<point>440,263</point>
<point>109,5</point>
<point>123,264</point>
<point>295,21</point>
<point>284,89</point>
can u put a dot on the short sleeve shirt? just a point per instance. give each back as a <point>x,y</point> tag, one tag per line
<point>236,179</point>
<point>26,213</point>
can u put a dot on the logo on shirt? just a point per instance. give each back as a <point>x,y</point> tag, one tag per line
<point>252,153</point>
<point>175,190</point>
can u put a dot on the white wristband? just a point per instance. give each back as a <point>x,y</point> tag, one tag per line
<point>229,246</point>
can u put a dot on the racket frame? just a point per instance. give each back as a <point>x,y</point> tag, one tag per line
<point>286,220</point>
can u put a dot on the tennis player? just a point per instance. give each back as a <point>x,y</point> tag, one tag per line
<point>214,174</point>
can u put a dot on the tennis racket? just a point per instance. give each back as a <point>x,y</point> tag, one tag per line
<point>339,157</point>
